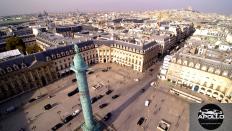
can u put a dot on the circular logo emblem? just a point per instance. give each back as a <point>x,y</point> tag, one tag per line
<point>210,116</point>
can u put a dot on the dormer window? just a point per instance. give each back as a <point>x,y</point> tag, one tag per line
<point>197,66</point>
<point>2,71</point>
<point>67,53</point>
<point>15,67</point>
<point>9,69</point>
<point>179,61</point>
<point>204,68</point>
<point>211,69</point>
<point>185,63</point>
<point>225,73</point>
<point>217,71</point>
<point>62,54</point>
<point>58,55</point>
<point>48,58</point>
<point>23,65</point>
<point>53,56</point>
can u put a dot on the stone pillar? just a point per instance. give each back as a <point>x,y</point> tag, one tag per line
<point>49,74</point>
<point>44,75</point>
<point>39,78</point>
<point>33,80</point>
<point>80,68</point>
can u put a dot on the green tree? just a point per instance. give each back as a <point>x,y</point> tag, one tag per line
<point>33,49</point>
<point>15,43</point>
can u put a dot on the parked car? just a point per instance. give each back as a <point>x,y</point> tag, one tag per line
<point>136,80</point>
<point>31,100</point>
<point>103,105</point>
<point>68,118</point>
<point>76,112</point>
<point>11,109</point>
<point>99,97</point>
<point>151,70</point>
<point>93,100</point>
<point>115,96</point>
<point>142,90</point>
<point>140,121</point>
<point>90,72</point>
<point>22,129</point>
<point>48,107</point>
<point>104,70</point>
<point>147,102</point>
<point>73,92</point>
<point>74,80</point>
<point>57,126</point>
<point>109,92</point>
<point>107,116</point>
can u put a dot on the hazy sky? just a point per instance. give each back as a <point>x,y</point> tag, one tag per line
<point>8,7</point>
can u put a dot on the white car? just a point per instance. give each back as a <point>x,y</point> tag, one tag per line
<point>152,83</point>
<point>136,80</point>
<point>147,102</point>
<point>76,112</point>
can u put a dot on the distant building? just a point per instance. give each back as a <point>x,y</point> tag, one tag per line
<point>9,54</point>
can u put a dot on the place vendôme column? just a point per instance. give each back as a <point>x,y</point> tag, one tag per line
<point>80,68</point>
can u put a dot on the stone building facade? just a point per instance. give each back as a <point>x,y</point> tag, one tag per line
<point>24,73</point>
<point>210,77</point>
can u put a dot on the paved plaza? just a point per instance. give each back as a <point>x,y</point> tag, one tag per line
<point>126,109</point>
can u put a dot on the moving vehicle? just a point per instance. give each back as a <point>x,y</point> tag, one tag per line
<point>115,96</point>
<point>109,92</point>
<point>107,116</point>
<point>57,126</point>
<point>140,121</point>
<point>103,105</point>
<point>73,92</point>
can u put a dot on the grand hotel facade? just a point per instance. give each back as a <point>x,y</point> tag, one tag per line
<point>25,73</point>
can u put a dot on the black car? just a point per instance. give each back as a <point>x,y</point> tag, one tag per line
<point>31,100</point>
<point>141,120</point>
<point>142,90</point>
<point>73,92</point>
<point>115,96</point>
<point>99,97</point>
<point>57,126</point>
<point>103,105</point>
<point>48,107</point>
<point>74,80</point>
<point>104,70</point>
<point>68,118</point>
<point>93,100</point>
<point>108,92</point>
<point>90,72</point>
<point>107,116</point>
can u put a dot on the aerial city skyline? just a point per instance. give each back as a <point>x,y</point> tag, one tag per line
<point>35,6</point>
